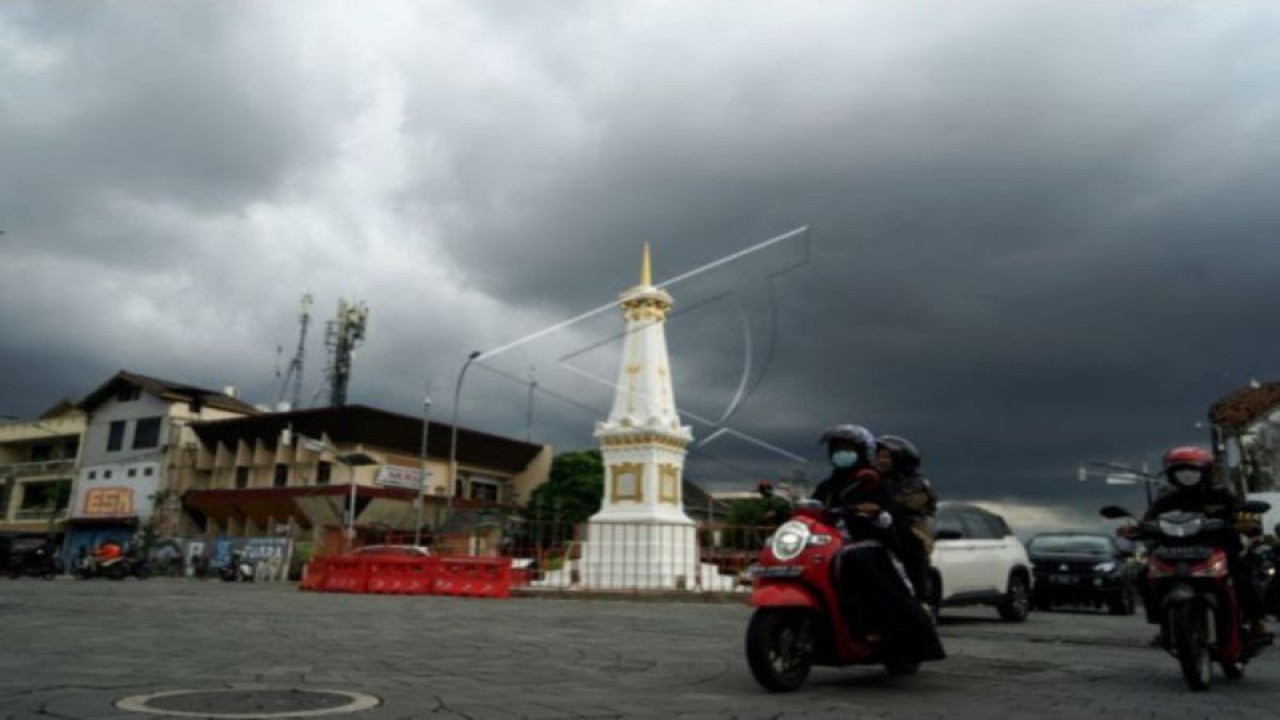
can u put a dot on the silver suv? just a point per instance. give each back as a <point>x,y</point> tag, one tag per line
<point>978,561</point>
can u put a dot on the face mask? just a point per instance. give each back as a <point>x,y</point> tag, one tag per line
<point>844,458</point>
<point>1186,477</point>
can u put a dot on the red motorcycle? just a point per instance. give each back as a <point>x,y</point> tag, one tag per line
<point>798,622</point>
<point>1188,573</point>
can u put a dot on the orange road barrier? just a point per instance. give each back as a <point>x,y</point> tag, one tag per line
<point>458,577</point>
<point>474,577</point>
<point>402,576</point>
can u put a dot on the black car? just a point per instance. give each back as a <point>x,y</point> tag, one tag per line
<point>1081,569</point>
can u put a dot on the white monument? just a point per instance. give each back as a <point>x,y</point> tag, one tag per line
<point>641,538</point>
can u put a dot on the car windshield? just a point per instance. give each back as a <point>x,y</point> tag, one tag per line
<point>1080,544</point>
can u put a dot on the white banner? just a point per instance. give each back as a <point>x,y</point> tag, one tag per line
<point>398,476</point>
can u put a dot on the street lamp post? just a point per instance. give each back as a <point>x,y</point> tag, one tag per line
<point>353,460</point>
<point>422,484</point>
<point>1127,476</point>
<point>453,442</point>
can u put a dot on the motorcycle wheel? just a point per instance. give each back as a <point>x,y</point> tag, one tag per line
<point>780,648</point>
<point>115,572</point>
<point>142,572</point>
<point>1189,642</point>
<point>1233,670</point>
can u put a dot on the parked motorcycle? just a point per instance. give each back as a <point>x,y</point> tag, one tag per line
<point>237,569</point>
<point>112,563</point>
<point>798,621</point>
<point>1268,564</point>
<point>1189,575</point>
<point>40,561</point>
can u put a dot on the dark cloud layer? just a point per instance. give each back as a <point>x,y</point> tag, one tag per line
<point>1040,234</point>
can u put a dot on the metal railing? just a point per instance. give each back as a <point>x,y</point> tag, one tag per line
<point>38,514</point>
<point>620,557</point>
<point>46,467</point>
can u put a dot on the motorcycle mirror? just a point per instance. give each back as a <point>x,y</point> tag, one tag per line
<point>1256,507</point>
<point>1114,512</point>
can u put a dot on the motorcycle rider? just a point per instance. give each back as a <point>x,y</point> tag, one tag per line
<point>898,460</point>
<point>876,597</point>
<point>1190,472</point>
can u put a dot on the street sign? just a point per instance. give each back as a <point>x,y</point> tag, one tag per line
<point>401,477</point>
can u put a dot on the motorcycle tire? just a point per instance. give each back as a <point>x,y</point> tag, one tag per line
<point>1190,645</point>
<point>1233,670</point>
<point>115,572</point>
<point>781,646</point>
<point>142,572</point>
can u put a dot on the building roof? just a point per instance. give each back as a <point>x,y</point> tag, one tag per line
<point>360,424</point>
<point>1242,408</point>
<point>168,390</point>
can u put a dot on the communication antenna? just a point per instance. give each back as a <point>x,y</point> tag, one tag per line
<point>342,336</point>
<point>292,384</point>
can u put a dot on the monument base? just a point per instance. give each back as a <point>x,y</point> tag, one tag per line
<point>631,555</point>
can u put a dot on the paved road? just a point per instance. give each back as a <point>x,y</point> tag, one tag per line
<point>69,649</point>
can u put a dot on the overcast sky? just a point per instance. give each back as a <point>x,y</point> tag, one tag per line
<point>1041,233</point>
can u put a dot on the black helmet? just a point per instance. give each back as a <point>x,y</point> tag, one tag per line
<point>906,457</point>
<point>857,435</point>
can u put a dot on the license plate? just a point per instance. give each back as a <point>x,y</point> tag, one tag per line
<point>1062,579</point>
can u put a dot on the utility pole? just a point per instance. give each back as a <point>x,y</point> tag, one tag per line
<point>533,385</point>
<point>422,484</point>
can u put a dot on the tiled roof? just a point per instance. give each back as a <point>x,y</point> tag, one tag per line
<point>166,389</point>
<point>1242,408</point>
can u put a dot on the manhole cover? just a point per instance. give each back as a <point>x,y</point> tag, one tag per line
<point>249,704</point>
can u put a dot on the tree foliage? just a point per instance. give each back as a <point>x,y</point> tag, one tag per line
<point>574,490</point>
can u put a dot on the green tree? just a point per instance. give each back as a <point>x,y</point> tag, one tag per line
<point>748,522</point>
<point>573,491</point>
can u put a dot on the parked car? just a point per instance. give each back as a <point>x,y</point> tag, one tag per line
<point>978,561</point>
<point>1081,569</point>
<point>391,551</point>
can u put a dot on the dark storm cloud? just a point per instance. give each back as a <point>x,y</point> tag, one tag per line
<point>1040,234</point>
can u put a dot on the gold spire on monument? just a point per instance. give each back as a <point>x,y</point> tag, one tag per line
<point>644,301</point>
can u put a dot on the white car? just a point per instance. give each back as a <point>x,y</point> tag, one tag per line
<point>978,561</point>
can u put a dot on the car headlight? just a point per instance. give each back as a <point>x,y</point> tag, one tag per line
<point>1185,528</point>
<point>789,540</point>
<point>1106,567</point>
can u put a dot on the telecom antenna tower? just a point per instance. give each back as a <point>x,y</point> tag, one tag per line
<point>341,337</point>
<point>293,376</point>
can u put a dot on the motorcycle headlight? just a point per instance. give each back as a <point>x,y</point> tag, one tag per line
<point>1184,528</point>
<point>789,540</point>
<point>1106,567</point>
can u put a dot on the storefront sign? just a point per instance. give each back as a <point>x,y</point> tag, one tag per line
<point>401,477</point>
<point>108,502</point>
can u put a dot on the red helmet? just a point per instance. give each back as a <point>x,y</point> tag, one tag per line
<point>1187,466</point>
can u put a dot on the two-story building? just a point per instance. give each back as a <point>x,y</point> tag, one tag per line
<point>298,473</point>
<point>137,433</point>
<point>38,469</point>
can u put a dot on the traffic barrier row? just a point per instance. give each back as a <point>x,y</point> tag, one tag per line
<point>462,577</point>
